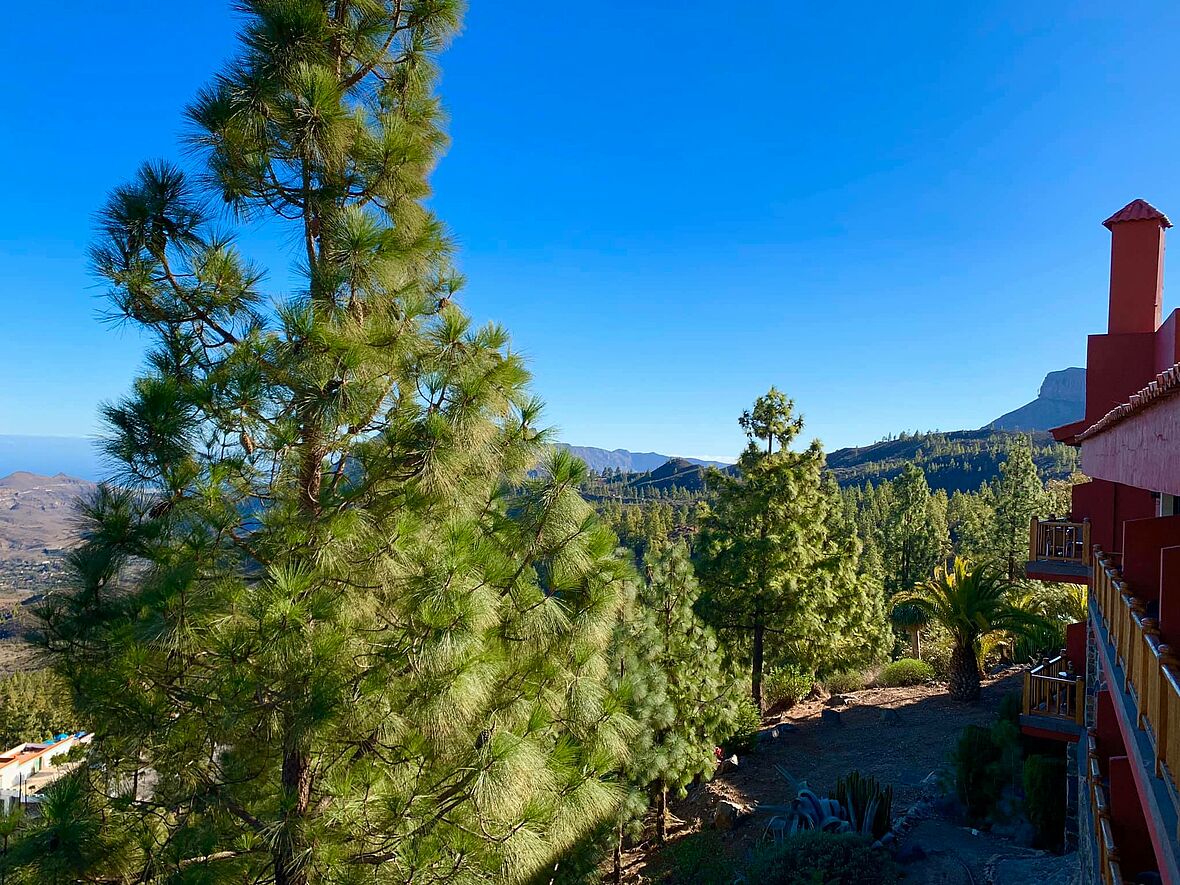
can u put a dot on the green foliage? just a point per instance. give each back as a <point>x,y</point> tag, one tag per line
<point>987,762</point>
<point>746,724</point>
<point>844,681</point>
<point>907,671</point>
<point>976,757</point>
<point>971,603</point>
<point>1010,707</point>
<point>787,686</point>
<point>34,706</point>
<point>1020,495</point>
<point>696,859</point>
<point>681,691</point>
<point>867,805</point>
<point>324,601</point>
<point>779,565</point>
<point>819,858</point>
<point>960,461</point>
<point>1044,798</point>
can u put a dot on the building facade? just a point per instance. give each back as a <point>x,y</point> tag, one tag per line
<point>1114,695</point>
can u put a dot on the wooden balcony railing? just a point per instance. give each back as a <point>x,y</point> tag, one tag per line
<point>1059,540</point>
<point>1109,870</point>
<point>1053,690</point>
<point>1152,672</point>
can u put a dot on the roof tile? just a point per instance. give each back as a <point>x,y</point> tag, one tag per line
<point>1138,210</point>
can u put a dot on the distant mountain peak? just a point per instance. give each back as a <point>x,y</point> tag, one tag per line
<point>1061,400</point>
<point>599,460</point>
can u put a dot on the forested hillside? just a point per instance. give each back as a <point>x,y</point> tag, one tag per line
<point>958,461</point>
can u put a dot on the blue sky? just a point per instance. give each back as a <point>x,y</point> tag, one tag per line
<point>895,218</point>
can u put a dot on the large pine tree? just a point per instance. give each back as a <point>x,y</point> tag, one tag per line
<point>325,628</point>
<point>775,561</point>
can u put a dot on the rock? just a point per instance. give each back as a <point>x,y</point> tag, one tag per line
<point>1025,835</point>
<point>727,815</point>
<point>831,717</point>
<point>817,693</point>
<point>840,700</point>
<point>888,839</point>
<point>890,717</point>
<point>910,853</point>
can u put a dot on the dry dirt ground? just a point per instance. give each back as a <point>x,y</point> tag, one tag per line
<point>912,754</point>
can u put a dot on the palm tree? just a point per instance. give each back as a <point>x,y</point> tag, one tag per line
<point>971,602</point>
<point>913,620</point>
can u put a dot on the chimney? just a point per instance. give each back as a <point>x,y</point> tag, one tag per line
<point>1136,267</point>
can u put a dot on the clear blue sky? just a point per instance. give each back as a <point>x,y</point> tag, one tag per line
<point>894,217</point>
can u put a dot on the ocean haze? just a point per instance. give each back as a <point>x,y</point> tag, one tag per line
<point>50,455</point>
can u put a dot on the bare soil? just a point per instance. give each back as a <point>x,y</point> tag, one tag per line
<point>912,755</point>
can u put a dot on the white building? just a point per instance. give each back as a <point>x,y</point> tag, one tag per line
<point>27,769</point>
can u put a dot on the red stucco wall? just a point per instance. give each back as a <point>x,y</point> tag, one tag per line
<point>1142,451</point>
<point>1143,539</point>
<point>1108,506</point>
<point>1116,367</point>
<point>1170,596</point>
<point>1128,822</point>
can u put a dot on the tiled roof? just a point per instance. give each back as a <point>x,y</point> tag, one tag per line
<point>1138,210</point>
<point>1166,384</point>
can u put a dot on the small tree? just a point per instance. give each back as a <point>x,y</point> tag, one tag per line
<point>1019,496</point>
<point>971,603</point>
<point>689,707</point>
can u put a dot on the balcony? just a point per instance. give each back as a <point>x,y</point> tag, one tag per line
<point>1109,870</point>
<point>1059,550</point>
<point>1054,698</point>
<point>1152,672</point>
<point>1144,686</point>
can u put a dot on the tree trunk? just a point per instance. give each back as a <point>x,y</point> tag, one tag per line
<point>288,852</point>
<point>618,856</point>
<point>964,684</point>
<point>756,665</point>
<point>915,643</point>
<point>662,814</point>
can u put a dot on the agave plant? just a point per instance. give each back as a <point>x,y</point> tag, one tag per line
<point>809,811</point>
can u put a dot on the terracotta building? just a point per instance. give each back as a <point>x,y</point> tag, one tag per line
<point>1114,695</point>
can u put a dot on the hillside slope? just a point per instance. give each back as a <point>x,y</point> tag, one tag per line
<point>958,461</point>
<point>37,514</point>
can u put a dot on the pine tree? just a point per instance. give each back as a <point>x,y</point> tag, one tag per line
<point>1019,496</point>
<point>767,559</point>
<point>688,707</point>
<point>321,604</point>
<point>913,526</point>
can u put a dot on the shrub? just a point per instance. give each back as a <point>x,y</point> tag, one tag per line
<point>987,762</point>
<point>696,858</point>
<point>786,686</point>
<point>907,671</point>
<point>1010,707</point>
<point>866,804</point>
<point>1044,798</point>
<point>746,723</point>
<point>827,858</point>
<point>975,758</point>
<point>844,682</point>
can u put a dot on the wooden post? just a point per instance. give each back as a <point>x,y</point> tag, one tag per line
<point>1027,692</point>
<point>1168,661</point>
<point>1086,540</point>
